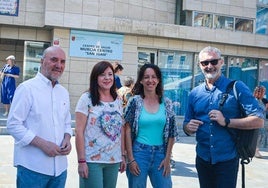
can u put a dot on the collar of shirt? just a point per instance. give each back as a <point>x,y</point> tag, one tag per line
<point>45,79</point>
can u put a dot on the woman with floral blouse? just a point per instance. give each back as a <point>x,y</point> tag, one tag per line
<point>99,146</point>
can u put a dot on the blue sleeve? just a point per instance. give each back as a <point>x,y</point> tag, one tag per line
<point>129,114</point>
<point>117,82</point>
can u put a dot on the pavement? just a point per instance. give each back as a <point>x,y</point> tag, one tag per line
<point>183,174</point>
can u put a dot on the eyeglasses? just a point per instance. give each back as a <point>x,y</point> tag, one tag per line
<point>212,62</point>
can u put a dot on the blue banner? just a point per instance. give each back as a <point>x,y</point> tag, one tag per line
<point>9,7</point>
<point>96,45</point>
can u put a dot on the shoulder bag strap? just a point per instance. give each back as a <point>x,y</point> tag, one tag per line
<point>225,94</point>
<point>242,162</point>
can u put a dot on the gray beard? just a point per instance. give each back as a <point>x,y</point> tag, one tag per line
<point>210,76</point>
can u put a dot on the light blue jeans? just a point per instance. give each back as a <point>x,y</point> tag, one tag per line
<point>148,159</point>
<point>100,175</point>
<point>29,179</point>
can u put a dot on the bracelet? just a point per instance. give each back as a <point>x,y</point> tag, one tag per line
<point>131,162</point>
<point>82,161</point>
<point>124,156</point>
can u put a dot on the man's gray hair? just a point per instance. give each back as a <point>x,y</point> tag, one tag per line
<point>209,49</point>
<point>128,81</point>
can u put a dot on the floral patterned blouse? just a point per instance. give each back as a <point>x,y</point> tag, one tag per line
<point>103,129</point>
<point>133,111</point>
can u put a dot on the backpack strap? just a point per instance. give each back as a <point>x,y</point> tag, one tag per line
<point>230,86</point>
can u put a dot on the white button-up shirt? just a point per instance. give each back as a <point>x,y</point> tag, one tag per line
<point>39,109</point>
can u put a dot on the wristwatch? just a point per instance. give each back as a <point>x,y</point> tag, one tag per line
<point>227,122</point>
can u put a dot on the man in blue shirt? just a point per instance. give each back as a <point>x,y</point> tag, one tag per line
<point>217,161</point>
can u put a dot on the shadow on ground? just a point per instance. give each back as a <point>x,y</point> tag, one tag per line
<point>184,169</point>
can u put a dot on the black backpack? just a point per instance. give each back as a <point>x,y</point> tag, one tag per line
<point>246,140</point>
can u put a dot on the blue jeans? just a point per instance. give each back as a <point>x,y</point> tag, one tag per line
<point>219,175</point>
<point>100,175</point>
<point>148,159</point>
<point>29,179</point>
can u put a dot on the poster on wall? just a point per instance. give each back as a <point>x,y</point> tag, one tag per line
<point>96,45</point>
<point>9,7</point>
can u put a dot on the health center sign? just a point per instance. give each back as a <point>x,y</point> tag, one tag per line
<point>96,45</point>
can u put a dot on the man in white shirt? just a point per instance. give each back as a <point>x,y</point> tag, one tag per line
<point>40,122</point>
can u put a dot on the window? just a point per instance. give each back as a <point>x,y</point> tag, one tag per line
<point>146,56</point>
<point>264,2</point>
<point>262,20</point>
<point>202,19</point>
<point>180,17</point>
<point>223,22</point>
<point>177,71</point>
<point>244,69</point>
<point>243,25</point>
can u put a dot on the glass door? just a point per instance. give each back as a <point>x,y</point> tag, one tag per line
<point>33,52</point>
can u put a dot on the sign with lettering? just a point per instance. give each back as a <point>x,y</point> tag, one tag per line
<point>96,45</point>
<point>9,7</point>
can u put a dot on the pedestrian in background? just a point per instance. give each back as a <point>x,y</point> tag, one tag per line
<point>125,92</point>
<point>259,93</point>
<point>9,73</point>
<point>216,160</point>
<point>118,69</point>
<point>150,131</point>
<point>99,143</point>
<point>40,122</point>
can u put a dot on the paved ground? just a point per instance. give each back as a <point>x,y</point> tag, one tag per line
<point>183,175</point>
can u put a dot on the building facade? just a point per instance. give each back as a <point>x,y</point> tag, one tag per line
<point>169,33</point>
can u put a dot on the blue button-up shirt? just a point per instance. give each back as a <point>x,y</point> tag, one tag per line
<point>214,142</point>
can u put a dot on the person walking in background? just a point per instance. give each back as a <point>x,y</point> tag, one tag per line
<point>265,101</point>
<point>40,122</point>
<point>150,131</point>
<point>118,69</point>
<point>99,134</point>
<point>259,93</point>
<point>9,73</point>
<point>126,91</point>
<point>216,160</point>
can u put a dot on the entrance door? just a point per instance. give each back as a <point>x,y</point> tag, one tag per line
<point>33,52</point>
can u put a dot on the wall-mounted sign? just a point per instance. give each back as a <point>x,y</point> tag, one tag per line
<point>9,7</point>
<point>96,45</point>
